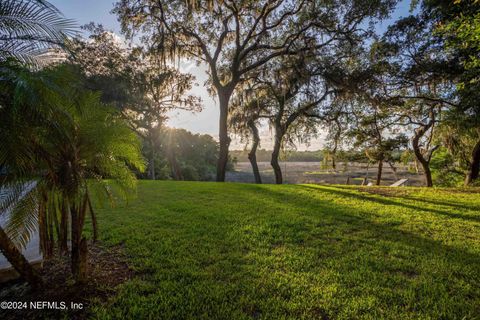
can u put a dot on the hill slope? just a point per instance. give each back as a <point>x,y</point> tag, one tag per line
<point>238,251</point>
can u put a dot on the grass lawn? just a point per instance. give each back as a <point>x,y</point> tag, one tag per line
<point>242,251</point>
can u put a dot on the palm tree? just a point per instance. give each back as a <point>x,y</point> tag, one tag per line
<point>17,88</point>
<point>61,136</point>
<point>28,28</point>
<point>94,143</point>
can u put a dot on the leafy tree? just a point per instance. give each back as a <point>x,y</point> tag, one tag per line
<point>143,89</point>
<point>415,76</point>
<point>375,132</point>
<point>162,90</point>
<point>296,91</point>
<point>444,169</point>
<point>249,107</point>
<point>234,38</point>
<point>458,24</point>
<point>337,120</point>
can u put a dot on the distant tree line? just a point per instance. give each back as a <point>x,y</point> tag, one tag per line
<point>181,155</point>
<point>264,155</point>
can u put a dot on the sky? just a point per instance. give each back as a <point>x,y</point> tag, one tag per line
<point>206,121</point>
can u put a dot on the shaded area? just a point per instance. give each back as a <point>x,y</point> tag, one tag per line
<point>233,251</point>
<point>108,268</point>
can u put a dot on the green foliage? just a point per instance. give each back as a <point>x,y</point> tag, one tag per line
<point>61,135</point>
<point>29,28</point>
<point>194,156</point>
<point>242,251</point>
<point>458,24</point>
<point>444,169</point>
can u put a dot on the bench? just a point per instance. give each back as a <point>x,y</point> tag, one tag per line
<point>399,183</point>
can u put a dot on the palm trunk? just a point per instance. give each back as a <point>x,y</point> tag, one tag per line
<point>252,155</point>
<point>63,235</point>
<point>18,261</point>
<point>275,154</point>
<point>93,216</point>
<point>79,244</point>
<point>474,168</point>
<point>224,140</point>
<point>55,210</point>
<point>45,225</point>
<point>51,236</point>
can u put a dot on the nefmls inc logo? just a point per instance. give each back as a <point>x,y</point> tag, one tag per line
<point>39,305</point>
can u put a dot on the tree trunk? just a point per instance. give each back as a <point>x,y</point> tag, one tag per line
<point>63,235</point>
<point>56,210</point>
<point>18,261</point>
<point>275,154</point>
<point>82,263</point>
<point>334,153</point>
<point>473,170</point>
<point>79,244</point>
<point>93,216</point>
<point>51,223</point>
<point>252,155</point>
<point>224,140</point>
<point>394,169</point>
<point>151,163</point>
<point>175,167</point>
<point>418,154</point>
<point>379,172</point>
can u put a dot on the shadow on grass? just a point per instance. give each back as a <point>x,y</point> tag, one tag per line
<point>430,201</point>
<point>237,246</point>
<point>386,201</point>
<point>355,232</point>
<point>343,213</point>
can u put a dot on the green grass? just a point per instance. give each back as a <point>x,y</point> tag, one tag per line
<point>243,251</point>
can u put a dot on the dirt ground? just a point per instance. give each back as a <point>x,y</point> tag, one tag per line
<point>311,172</point>
<point>107,268</point>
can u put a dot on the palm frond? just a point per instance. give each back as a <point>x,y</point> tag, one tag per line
<point>30,27</point>
<point>19,209</point>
